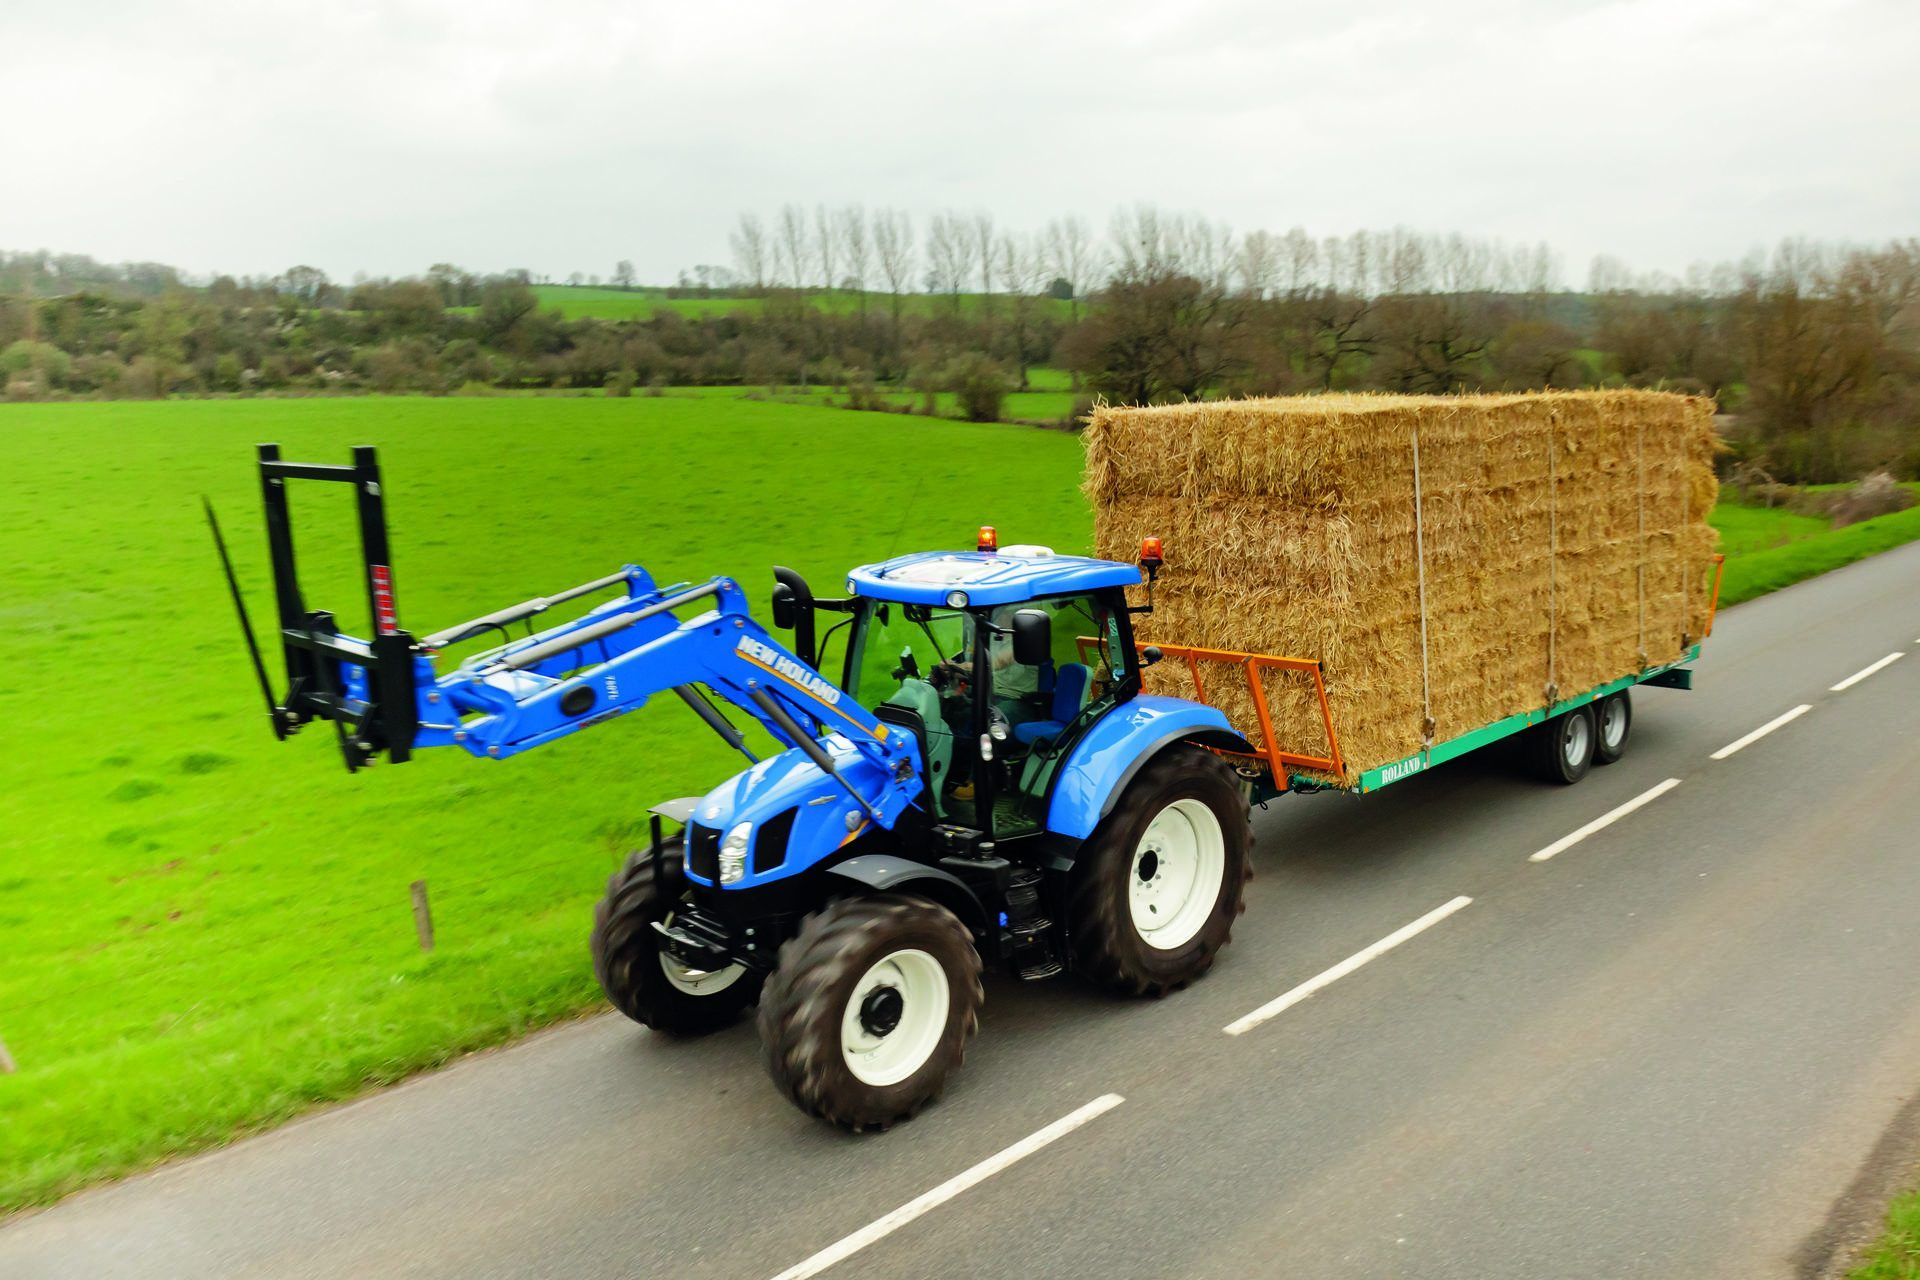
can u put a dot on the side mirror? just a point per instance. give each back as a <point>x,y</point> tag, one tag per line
<point>783,610</point>
<point>1032,638</point>
<point>1150,655</point>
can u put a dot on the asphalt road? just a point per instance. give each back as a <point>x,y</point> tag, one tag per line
<point>1685,1045</point>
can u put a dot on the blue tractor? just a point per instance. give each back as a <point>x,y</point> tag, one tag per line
<point>970,775</point>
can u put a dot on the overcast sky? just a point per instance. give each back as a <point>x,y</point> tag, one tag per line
<point>560,135</point>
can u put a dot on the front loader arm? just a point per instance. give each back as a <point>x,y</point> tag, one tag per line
<point>385,695</point>
<point>612,659</point>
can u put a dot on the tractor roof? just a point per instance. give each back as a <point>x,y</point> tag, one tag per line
<point>1007,576</point>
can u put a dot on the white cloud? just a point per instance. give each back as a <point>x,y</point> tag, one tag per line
<point>245,136</point>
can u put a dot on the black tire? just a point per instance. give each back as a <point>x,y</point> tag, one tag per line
<point>1557,748</point>
<point>627,957</point>
<point>1613,726</point>
<point>806,1003</point>
<point>1107,945</point>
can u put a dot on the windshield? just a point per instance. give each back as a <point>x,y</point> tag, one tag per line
<point>895,642</point>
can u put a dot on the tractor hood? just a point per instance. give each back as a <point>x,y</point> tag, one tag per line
<point>796,814</point>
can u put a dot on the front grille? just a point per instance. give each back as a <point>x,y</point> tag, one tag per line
<point>770,842</point>
<point>703,852</point>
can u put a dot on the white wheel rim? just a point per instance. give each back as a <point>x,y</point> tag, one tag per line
<point>1175,879</point>
<point>1576,740</point>
<point>1613,723</point>
<point>895,1017</point>
<point>697,982</point>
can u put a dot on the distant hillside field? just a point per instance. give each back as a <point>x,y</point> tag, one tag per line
<point>577,301</point>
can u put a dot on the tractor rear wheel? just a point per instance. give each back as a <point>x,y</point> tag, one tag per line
<point>638,975</point>
<point>871,1007</point>
<point>1157,886</point>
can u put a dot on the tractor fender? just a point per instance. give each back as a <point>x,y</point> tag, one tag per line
<point>887,873</point>
<point>1105,760</point>
<point>676,810</point>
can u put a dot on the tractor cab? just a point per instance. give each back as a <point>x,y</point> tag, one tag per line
<point>997,660</point>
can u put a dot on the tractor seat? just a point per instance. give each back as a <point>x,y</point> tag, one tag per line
<point>1069,695</point>
<point>915,706</point>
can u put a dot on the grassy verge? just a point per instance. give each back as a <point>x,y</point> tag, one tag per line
<point>1756,572</point>
<point>1897,1255</point>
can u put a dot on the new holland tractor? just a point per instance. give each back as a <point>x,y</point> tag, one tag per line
<point>969,774</point>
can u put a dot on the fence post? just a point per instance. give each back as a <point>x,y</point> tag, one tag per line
<point>6,1061</point>
<point>422,915</point>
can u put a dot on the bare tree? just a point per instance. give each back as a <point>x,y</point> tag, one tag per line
<point>792,245</point>
<point>856,248</point>
<point>1300,259</point>
<point>1070,255</point>
<point>826,240</point>
<point>980,245</point>
<point>893,246</point>
<point>749,242</point>
<point>950,254</point>
<point>623,274</point>
<point>1257,264</point>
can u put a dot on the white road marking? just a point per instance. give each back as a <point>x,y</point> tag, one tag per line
<point>1273,1008</point>
<point>1858,676</point>
<point>1604,820</point>
<point>1762,731</point>
<point>881,1227</point>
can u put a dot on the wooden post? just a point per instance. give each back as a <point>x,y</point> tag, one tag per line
<point>6,1061</point>
<point>422,915</point>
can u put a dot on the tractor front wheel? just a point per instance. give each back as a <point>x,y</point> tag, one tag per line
<point>638,975</point>
<point>1158,885</point>
<point>871,1007</point>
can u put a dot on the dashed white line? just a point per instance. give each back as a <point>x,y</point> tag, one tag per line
<point>1604,820</point>
<point>1862,674</point>
<point>881,1227</point>
<point>1273,1008</point>
<point>1762,731</point>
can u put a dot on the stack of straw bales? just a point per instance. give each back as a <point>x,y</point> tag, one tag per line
<point>1562,535</point>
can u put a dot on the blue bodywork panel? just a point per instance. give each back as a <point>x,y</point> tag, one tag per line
<point>987,577</point>
<point>825,817</point>
<point>1105,760</point>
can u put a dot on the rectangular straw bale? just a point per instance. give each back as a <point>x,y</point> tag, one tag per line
<point>1564,533</point>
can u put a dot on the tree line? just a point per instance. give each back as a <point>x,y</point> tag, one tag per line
<point>1814,350</point>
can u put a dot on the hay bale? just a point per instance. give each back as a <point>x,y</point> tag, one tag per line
<point>1564,534</point>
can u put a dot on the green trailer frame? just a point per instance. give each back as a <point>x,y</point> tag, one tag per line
<point>1672,675</point>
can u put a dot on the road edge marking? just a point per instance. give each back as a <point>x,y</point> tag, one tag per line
<point>1605,820</point>
<point>1326,977</point>
<point>1863,673</point>
<point>882,1227</point>
<point>1783,719</point>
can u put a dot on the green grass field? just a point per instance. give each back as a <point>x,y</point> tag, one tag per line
<point>1896,1256</point>
<point>208,932</point>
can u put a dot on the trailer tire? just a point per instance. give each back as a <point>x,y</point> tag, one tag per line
<point>1613,725</point>
<point>1182,824</point>
<point>640,979</point>
<point>1563,747</point>
<point>871,1009</point>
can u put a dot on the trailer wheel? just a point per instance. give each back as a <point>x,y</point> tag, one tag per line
<point>1613,717</point>
<point>870,1009</point>
<point>642,980</point>
<point>1563,747</point>
<point>1157,886</point>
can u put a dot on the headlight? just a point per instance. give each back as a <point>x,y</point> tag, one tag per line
<point>956,599</point>
<point>733,854</point>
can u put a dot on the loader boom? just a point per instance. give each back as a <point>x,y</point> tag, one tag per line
<point>386,694</point>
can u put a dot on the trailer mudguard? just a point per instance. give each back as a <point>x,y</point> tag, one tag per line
<point>1104,761</point>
